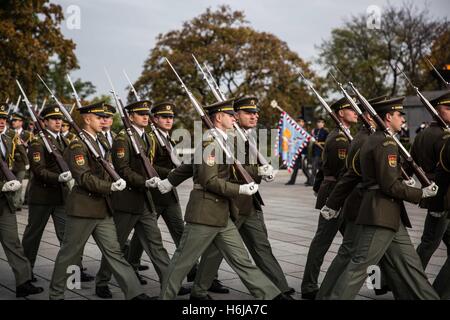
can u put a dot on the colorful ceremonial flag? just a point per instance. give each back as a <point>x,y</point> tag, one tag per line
<point>292,138</point>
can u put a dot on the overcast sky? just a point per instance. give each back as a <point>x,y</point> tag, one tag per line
<point>119,34</point>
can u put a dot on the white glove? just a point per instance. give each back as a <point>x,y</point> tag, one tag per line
<point>119,185</point>
<point>164,186</point>
<point>437,214</point>
<point>27,167</point>
<point>11,186</point>
<point>248,189</point>
<point>153,182</point>
<point>269,178</point>
<point>65,176</point>
<point>265,170</point>
<point>430,191</point>
<point>328,213</point>
<point>410,183</point>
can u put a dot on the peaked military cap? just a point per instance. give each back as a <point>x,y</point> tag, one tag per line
<point>441,99</point>
<point>246,104</point>
<point>222,106</point>
<point>341,104</point>
<point>4,110</point>
<point>17,116</point>
<point>95,108</point>
<point>52,111</point>
<point>109,110</point>
<point>393,104</point>
<point>140,107</point>
<point>163,109</point>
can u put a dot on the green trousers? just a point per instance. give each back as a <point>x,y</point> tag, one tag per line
<point>442,282</point>
<point>375,243</point>
<point>196,239</point>
<point>174,220</point>
<point>9,239</point>
<point>77,233</point>
<point>254,234</point>
<point>38,216</point>
<point>325,234</point>
<point>145,225</point>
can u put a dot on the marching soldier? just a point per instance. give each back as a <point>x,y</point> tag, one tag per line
<point>383,216</point>
<point>250,222</point>
<point>9,237</point>
<point>89,211</point>
<point>426,151</point>
<point>107,136</point>
<point>65,131</point>
<point>214,193</point>
<point>134,207</point>
<point>21,139</point>
<point>166,205</point>
<point>333,162</point>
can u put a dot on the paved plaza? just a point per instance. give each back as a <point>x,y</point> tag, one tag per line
<point>291,222</point>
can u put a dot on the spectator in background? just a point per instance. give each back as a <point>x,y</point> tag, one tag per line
<point>320,134</point>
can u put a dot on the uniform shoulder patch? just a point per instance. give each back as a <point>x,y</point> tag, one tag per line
<point>120,152</point>
<point>389,142</point>
<point>341,138</point>
<point>75,144</point>
<point>392,160</point>
<point>342,153</point>
<point>211,160</point>
<point>79,159</point>
<point>36,156</point>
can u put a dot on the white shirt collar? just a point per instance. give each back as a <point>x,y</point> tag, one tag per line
<point>223,133</point>
<point>92,136</point>
<point>54,135</point>
<point>164,133</point>
<point>19,130</point>
<point>139,130</point>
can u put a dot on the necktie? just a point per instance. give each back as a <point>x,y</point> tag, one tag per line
<point>2,147</point>
<point>60,143</point>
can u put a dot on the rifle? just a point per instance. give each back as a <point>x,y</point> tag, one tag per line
<point>427,105</point>
<point>42,107</point>
<point>12,110</point>
<point>338,122</point>
<point>149,170</point>
<point>169,149</point>
<point>216,135</point>
<point>51,148</point>
<point>4,168</point>
<point>446,83</point>
<point>253,148</point>
<point>108,168</point>
<point>403,152</point>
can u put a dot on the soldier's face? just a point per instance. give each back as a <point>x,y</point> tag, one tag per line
<point>164,123</point>
<point>225,120</point>
<point>349,116</point>
<point>140,120</point>
<point>320,124</point>
<point>94,122</point>
<point>54,125</point>
<point>64,127</point>
<point>16,124</point>
<point>2,124</point>
<point>108,121</point>
<point>444,112</point>
<point>247,119</point>
<point>396,120</point>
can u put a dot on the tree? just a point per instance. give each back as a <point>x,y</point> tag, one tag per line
<point>31,38</point>
<point>243,62</point>
<point>369,57</point>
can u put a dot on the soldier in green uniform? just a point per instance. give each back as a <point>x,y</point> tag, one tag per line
<point>425,151</point>
<point>166,205</point>
<point>250,222</point>
<point>9,237</point>
<point>21,140</point>
<point>107,136</point>
<point>383,216</point>
<point>442,284</point>
<point>134,207</point>
<point>89,211</point>
<point>65,131</point>
<point>48,186</point>
<point>333,162</point>
<point>208,215</point>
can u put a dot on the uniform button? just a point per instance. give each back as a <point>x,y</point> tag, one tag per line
<point>217,200</point>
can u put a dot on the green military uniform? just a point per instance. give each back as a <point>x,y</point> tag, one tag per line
<point>383,217</point>
<point>166,205</point>
<point>21,163</point>
<point>208,222</point>
<point>441,284</point>
<point>250,224</point>
<point>9,237</point>
<point>134,207</point>
<point>47,196</point>
<point>333,162</point>
<point>89,212</point>
<point>425,151</point>
<point>107,137</point>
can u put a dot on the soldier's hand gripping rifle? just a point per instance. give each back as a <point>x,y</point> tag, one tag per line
<point>338,122</point>
<point>51,148</point>
<point>105,164</point>
<point>170,150</point>
<point>427,104</point>
<point>216,135</point>
<point>149,169</point>
<point>403,152</point>
<point>221,97</point>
